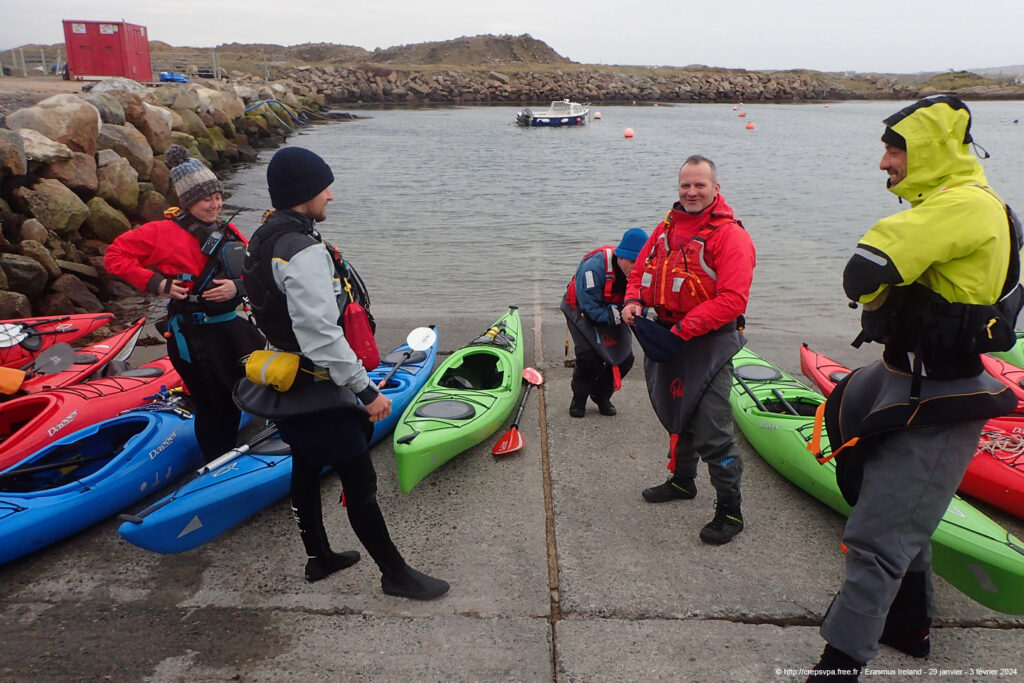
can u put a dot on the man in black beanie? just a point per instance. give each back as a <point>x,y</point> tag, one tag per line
<point>295,295</point>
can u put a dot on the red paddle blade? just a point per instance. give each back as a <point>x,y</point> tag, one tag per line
<point>533,376</point>
<point>510,442</point>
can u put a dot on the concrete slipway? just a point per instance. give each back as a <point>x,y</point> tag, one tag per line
<point>559,572</point>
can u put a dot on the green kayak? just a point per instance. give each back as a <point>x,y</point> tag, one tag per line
<point>1014,355</point>
<point>776,414</point>
<point>467,398</point>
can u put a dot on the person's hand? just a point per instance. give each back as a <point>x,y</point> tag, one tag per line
<point>224,290</point>
<point>379,408</point>
<point>630,311</point>
<point>173,289</point>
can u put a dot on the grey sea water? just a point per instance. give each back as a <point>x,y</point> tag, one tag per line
<point>456,211</point>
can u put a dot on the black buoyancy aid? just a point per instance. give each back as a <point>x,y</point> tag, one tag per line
<point>225,251</point>
<point>608,296</point>
<point>675,282</point>
<point>269,304</point>
<point>948,336</point>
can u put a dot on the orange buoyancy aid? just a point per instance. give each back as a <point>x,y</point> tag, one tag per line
<point>607,296</point>
<point>675,281</point>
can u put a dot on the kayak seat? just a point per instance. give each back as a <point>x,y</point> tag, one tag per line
<point>456,382</point>
<point>838,375</point>
<point>446,410</point>
<point>141,372</point>
<point>480,370</point>
<point>396,357</point>
<point>757,373</point>
<point>272,446</point>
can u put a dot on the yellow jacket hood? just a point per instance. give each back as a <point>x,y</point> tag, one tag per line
<point>937,131</point>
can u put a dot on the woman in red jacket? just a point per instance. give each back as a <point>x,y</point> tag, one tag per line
<point>194,259</point>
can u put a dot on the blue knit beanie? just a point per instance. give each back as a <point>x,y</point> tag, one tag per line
<point>295,175</point>
<point>633,240</point>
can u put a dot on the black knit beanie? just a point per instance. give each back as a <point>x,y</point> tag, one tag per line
<point>894,139</point>
<point>295,175</point>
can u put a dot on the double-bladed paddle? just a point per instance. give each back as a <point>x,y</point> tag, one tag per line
<point>420,339</point>
<point>511,441</point>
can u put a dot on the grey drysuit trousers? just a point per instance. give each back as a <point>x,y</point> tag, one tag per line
<point>909,479</point>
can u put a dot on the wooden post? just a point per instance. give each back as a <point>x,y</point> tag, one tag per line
<point>24,71</point>
<point>42,58</point>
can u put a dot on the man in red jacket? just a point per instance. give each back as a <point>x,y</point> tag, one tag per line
<point>686,298</point>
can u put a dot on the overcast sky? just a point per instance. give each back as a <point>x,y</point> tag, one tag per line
<point>903,36</point>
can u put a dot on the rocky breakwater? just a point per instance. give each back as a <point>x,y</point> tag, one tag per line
<point>381,83</point>
<point>77,170</point>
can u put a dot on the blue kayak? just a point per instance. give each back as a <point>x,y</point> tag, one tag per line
<point>233,488</point>
<point>93,473</point>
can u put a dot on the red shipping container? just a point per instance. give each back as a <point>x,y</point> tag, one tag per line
<point>98,49</point>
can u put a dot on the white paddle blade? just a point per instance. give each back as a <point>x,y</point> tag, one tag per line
<point>533,376</point>
<point>511,442</point>
<point>11,334</point>
<point>421,339</point>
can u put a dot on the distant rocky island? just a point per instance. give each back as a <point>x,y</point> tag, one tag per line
<point>506,69</point>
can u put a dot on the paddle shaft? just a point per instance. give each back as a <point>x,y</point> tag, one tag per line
<point>394,368</point>
<point>746,388</point>
<point>70,462</point>
<point>522,405</point>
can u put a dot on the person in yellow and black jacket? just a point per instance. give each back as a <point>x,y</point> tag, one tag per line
<point>939,284</point>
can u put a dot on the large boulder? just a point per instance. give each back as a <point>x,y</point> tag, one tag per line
<point>224,122</point>
<point>118,181</point>
<point>210,99</point>
<point>111,110</point>
<point>24,274</point>
<point>78,292</point>
<point>191,123</point>
<point>39,253</point>
<point>106,222</point>
<point>12,154</point>
<point>40,148</point>
<point>77,173</point>
<point>32,229</point>
<point>128,142</point>
<point>13,304</point>
<point>151,206</point>
<point>65,118</point>
<point>119,84</point>
<point>56,207</point>
<point>160,177</point>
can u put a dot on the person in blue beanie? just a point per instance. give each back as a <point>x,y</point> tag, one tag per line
<point>592,304</point>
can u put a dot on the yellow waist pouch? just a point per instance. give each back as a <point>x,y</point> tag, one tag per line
<point>274,369</point>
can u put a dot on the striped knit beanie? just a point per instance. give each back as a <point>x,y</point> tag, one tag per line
<point>192,180</point>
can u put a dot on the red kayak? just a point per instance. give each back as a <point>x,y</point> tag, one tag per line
<point>22,339</point>
<point>996,473</point>
<point>85,363</point>
<point>29,423</point>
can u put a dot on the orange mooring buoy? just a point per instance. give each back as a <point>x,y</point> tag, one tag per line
<point>597,114</point>
<point>629,132</point>
<point>750,125</point>
<point>742,114</point>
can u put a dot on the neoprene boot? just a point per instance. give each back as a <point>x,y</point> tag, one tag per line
<point>604,406</point>
<point>835,665</point>
<point>674,488</point>
<point>727,523</point>
<point>907,626</point>
<point>412,584</point>
<point>322,560</point>
<point>578,407</point>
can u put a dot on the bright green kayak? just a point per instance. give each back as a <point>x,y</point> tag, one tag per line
<point>467,398</point>
<point>1015,355</point>
<point>776,414</point>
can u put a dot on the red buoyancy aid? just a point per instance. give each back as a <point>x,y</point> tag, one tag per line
<point>607,296</point>
<point>675,281</point>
